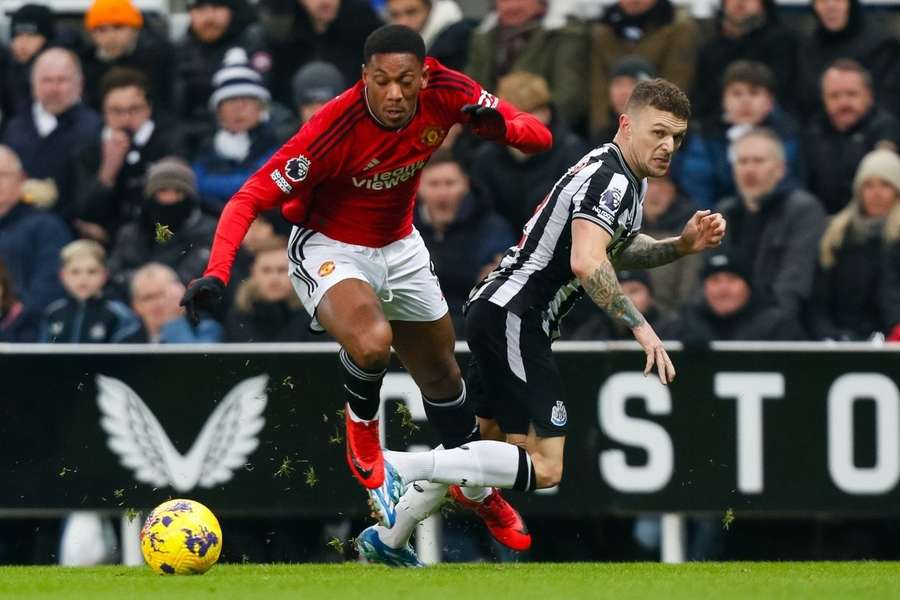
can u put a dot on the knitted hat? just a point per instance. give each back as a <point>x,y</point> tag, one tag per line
<point>635,67</point>
<point>317,82</point>
<point>726,261</point>
<point>170,173</point>
<point>113,12</point>
<point>640,276</point>
<point>35,19</point>
<point>236,79</point>
<point>232,4</point>
<point>526,91</point>
<point>881,163</point>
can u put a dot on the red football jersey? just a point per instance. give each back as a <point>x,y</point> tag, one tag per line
<point>347,176</point>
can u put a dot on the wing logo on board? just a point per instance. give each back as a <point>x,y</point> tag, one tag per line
<point>228,437</point>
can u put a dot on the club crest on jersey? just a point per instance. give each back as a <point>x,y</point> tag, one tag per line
<point>297,168</point>
<point>326,268</point>
<point>432,136</point>
<point>558,415</point>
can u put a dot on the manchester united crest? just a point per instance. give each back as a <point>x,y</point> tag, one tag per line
<point>326,268</point>
<point>432,136</point>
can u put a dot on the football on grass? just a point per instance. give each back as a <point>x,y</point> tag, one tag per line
<point>181,537</point>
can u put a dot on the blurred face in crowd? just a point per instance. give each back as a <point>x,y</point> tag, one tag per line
<point>442,189</point>
<point>239,115</point>
<point>878,197</point>
<point>639,295</point>
<point>746,104</point>
<point>636,7</point>
<point>154,296</point>
<point>322,12</point>
<point>514,13</point>
<point>411,13</point>
<point>83,277</point>
<point>126,108</point>
<point>11,179</point>
<point>56,81</point>
<point>660,196</point>
<point>169,197</point>
<point>738,11</point>
<point>270,275</point>
<point>725,293</point>
<point>758,167</point>
<point>620,89</point>
<point>393,82</point>
<point>846,97</point>
<point>260,232</point>
<point>25,45</point>
<point>209,22</point>
<point>114,41</point>
<point>651,137</point>
<point>833,14</point>
<point>308,110</point>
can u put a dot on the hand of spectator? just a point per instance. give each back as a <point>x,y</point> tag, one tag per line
<point>703,230</point>
<point>91,231</point>
<point>115,147</point>
<point>487,123</point>
<point>202,294</point>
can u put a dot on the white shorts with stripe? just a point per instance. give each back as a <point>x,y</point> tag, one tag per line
<point>400,273</point>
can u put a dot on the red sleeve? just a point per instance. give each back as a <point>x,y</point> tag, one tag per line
<point>523,131</point>
<point>288,179</point>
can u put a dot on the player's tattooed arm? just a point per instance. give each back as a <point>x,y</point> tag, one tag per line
<point>645,253</point>
<point>603,288</point>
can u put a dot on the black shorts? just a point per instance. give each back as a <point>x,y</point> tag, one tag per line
<point>512,376</point>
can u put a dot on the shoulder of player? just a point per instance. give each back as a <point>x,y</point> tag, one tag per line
<point>440,78</point>
<point>333,122</point>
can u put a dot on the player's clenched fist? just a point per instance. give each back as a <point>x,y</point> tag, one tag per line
<point>487,123</point>
<point>202,294</point>
<point>704,230</point>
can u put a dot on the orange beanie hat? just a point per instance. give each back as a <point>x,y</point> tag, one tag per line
<point>113,12</point>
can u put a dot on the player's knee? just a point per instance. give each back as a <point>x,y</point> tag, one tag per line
<point>372,349</point>
<point>548,473</point>
<point>443,380</point>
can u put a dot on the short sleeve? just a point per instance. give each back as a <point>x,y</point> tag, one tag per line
<point>601,199</point>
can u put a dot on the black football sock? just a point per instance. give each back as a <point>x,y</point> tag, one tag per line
<point>362,388</point>
<point>453,419</point>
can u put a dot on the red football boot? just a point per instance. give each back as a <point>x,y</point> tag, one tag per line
<point>502,520</point>
<point>364,451</point>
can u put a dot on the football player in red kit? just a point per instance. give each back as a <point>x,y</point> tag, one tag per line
<point>348,180</point>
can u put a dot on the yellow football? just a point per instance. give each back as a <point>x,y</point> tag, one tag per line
<point>181,537</point>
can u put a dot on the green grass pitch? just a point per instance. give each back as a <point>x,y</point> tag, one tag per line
<point>572,581</point>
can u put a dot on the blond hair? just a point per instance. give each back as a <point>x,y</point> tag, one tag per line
<point>82,249</point>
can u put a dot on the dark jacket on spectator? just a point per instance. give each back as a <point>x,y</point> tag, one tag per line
<point>864,40</point>
<point>30,242</point>
<point>112,207</point>
<point>18,325</point>
<point>15,85</point>
<point>697,326</point>
<point>833,156</point>
<point>54,156</point>
<point>587,322</point>
<point>514,187</point>
<point>94,321</point>
<point>781,243</point>
<point>890,291</point>
<point>446,34</point>
<point>253,319</point>
<point>293,42</point>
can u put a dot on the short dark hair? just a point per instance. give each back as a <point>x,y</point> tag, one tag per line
<point>122,77</point>
<point>444,156</point>
<point>754,74</point>
<point>394,39</point>
<point>661,95</point>
<point>848,64</point>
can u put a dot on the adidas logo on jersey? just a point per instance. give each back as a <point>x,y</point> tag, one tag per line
<point>372,163</point>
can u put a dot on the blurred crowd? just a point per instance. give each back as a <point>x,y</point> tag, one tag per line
<point>120,143</point>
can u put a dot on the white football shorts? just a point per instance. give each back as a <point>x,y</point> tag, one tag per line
<point>401,274</point>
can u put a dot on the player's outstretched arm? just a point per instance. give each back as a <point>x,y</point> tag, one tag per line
<point>500,122</point>
<point>590,264</point>
<point>703,230</point>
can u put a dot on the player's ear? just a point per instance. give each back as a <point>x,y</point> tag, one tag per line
<point>425,76</point>
<point>625,124</point>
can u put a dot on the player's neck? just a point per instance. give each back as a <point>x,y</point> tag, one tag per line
<point>628,157</point>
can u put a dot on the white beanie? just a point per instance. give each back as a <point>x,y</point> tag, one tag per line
<point>236,79</point>
<point>881,163</point>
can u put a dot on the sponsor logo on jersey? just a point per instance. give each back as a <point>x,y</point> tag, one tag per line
<point>281,182</point>
<point>432,136</point>
<point>389,179</point>
<point>558,415</point>
<point>297,168</point>
<point>487,99</point>
<point>326,268</point>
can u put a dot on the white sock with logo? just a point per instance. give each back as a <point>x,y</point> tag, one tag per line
<point>421,500</point>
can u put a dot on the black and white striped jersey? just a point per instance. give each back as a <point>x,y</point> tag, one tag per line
<point>536,272</point>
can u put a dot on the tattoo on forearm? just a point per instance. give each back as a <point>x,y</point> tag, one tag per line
<point>645,253</point>
<point>604,289</point>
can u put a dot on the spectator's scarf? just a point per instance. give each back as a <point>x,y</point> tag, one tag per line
<point>855,22</point>
<point>511,41</point>
<point>634,27</point>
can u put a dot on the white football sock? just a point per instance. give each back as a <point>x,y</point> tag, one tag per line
<point>476,494</point>
<point>485,463</point>
<point>420,501</point>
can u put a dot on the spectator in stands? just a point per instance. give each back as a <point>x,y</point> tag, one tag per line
<point>243,141</point>
<point>216,27</point>
<point>729,309</point>
<point>441,25</point>
<point>648,29</point>
<point>844,31</point>
<point>119,39</point>
<point>465,242</point>
<point>300,31</point>
<point>666,210</point>
<point>846,303</point>
<point>518,36</point>
<point>171,229</point>
<point>16,324</point>
<point>155,293</point>
<point>314,84</point>
<point>745,30</point>
<point>512,182</point>
<point>775,224</point>
<point>30,239</point>
<point>587,322</point>
<point>83,315</point>
<point>622,78</point>
<point>851,127</point>
<point>748,101</point>
<point>112,167</point>
<point>48,137</point>
<point>31,29</point>
<point>260,235</point>
<point>266,309</point>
